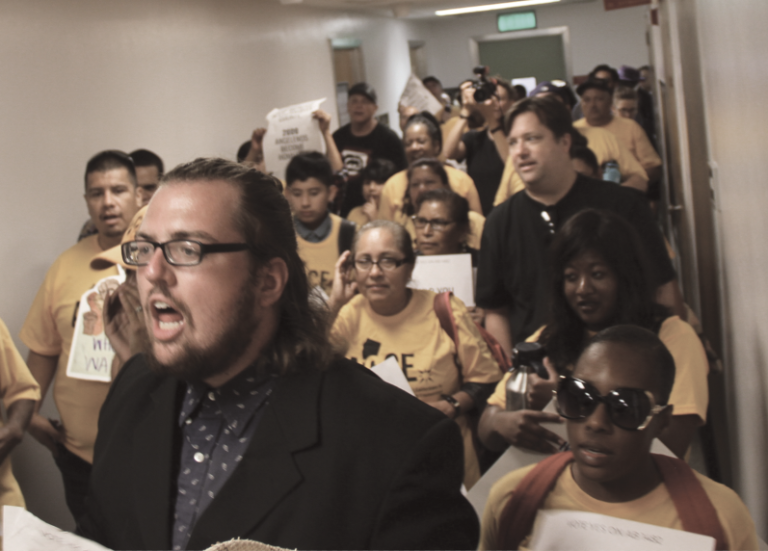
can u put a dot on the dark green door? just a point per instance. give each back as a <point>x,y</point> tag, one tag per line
<point>539,56</point>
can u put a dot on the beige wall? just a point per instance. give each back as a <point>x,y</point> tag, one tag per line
<point>183,78</point>
<point>733,42</point>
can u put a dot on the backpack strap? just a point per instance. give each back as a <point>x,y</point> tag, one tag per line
<point>444,313</point>
<point>695,509</point>
<point>347,231</point>
<point>518,515</point>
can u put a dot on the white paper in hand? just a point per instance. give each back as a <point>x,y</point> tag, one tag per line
<point>291,130</point>
<point>445,272</point>
<point>23,531</point>
<point>578,531</point>
<point>389,371</point>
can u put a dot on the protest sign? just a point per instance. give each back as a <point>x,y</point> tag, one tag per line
<point>579,531</point>
<point>91,354</point>
<point>416,95</point>
<point>291,130</point>
<point>445,272</point>
<point>389,371</point>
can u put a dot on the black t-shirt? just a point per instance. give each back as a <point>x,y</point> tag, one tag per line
<point>484,165</point>
<point>514,268</point>
<point>357,151</point>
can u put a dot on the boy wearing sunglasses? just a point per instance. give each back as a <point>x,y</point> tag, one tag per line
<point>615,404</point>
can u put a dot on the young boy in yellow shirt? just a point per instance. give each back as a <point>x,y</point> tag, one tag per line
<point>321,235</point>
<point>615,404</point>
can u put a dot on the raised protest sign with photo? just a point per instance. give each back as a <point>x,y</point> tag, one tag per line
<point>291,130</point>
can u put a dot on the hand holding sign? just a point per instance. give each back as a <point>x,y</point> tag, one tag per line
<point>291,130</point>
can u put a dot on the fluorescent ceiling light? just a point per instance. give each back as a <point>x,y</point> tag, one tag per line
<point>491,7</point>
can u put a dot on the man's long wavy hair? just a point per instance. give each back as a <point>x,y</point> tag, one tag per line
<point>264,218</point>
<point>620,246</point>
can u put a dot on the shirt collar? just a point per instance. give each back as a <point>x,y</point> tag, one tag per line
<point>236,401</point>
<point>316,235</point>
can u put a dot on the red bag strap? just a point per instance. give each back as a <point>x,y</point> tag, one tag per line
<point>444,313</point>
<point>517,518</point>
<point>695,509</point>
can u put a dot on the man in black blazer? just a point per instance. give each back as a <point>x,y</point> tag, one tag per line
<point>240,421</point>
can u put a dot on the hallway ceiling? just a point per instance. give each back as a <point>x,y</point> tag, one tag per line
<point>406,9</point>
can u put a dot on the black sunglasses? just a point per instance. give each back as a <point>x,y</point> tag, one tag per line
<point>628,408</point>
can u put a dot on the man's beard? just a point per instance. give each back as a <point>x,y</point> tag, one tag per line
<point>196,364</point>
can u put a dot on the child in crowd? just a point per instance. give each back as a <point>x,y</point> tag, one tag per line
<point>374,176</point>
<point>615,403</point>
<point>321,235</point>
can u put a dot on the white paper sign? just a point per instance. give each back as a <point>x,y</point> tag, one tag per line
<point>91,354</point>
<point>23,531</point>
<point>417,95</point>
<point>528,82</point>
<point>291,130</point>
<point>390,372</point>
<point>577,531</point>
<point>445,272</point>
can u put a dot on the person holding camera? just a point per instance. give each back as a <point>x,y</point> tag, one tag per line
<point>484,149</point>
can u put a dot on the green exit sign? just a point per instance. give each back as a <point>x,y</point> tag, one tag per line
<point>518,21</point>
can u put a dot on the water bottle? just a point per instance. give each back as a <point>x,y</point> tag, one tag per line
<point>527,357</point>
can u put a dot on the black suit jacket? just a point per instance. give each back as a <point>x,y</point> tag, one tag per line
<point>339,460</point>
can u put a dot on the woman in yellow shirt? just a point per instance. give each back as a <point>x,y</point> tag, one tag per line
<point>388,319</point>
<point>422,139</point>
<point>600,279</point>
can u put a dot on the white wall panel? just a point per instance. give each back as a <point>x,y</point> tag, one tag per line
<point>733,42</point>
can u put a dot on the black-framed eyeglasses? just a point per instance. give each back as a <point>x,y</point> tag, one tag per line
<point>438,224</point>
<point>178,252</point>
<point>385,264</point>
<point>628,408</point>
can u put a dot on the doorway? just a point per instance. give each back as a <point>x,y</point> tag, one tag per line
<point>348,70</point>
<point>544,54</point>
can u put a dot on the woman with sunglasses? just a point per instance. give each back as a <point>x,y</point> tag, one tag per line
<point>600,279</point>
<point>423,139</point>
<point>387,319</point>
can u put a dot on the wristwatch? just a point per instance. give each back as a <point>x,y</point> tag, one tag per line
<point>453,401</point>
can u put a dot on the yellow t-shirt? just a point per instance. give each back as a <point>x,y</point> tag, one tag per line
<point>690,392</point>
<point>394,189</point>
<point>632,136</point>
<point>16,383</point>
<point>656,508</point>
<point>357,216</point>
<point>603,144</point>
<point>424,351</point>
<point>320,258</point>
<point>48,331</point>
<point>476,225</point>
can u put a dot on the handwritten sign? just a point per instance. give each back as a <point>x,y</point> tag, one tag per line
<point>91,355</point>
<point>445,272</point>
<point>23,531</point>
<point>578,531</point>
<point>417,95</point>
<point>291,130</point>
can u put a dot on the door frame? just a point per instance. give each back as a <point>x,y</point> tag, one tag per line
<point>474,44</point>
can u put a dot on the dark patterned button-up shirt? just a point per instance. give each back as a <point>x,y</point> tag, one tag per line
<point>217,425</point>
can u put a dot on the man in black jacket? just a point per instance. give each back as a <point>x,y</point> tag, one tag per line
<point>240,421</point>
